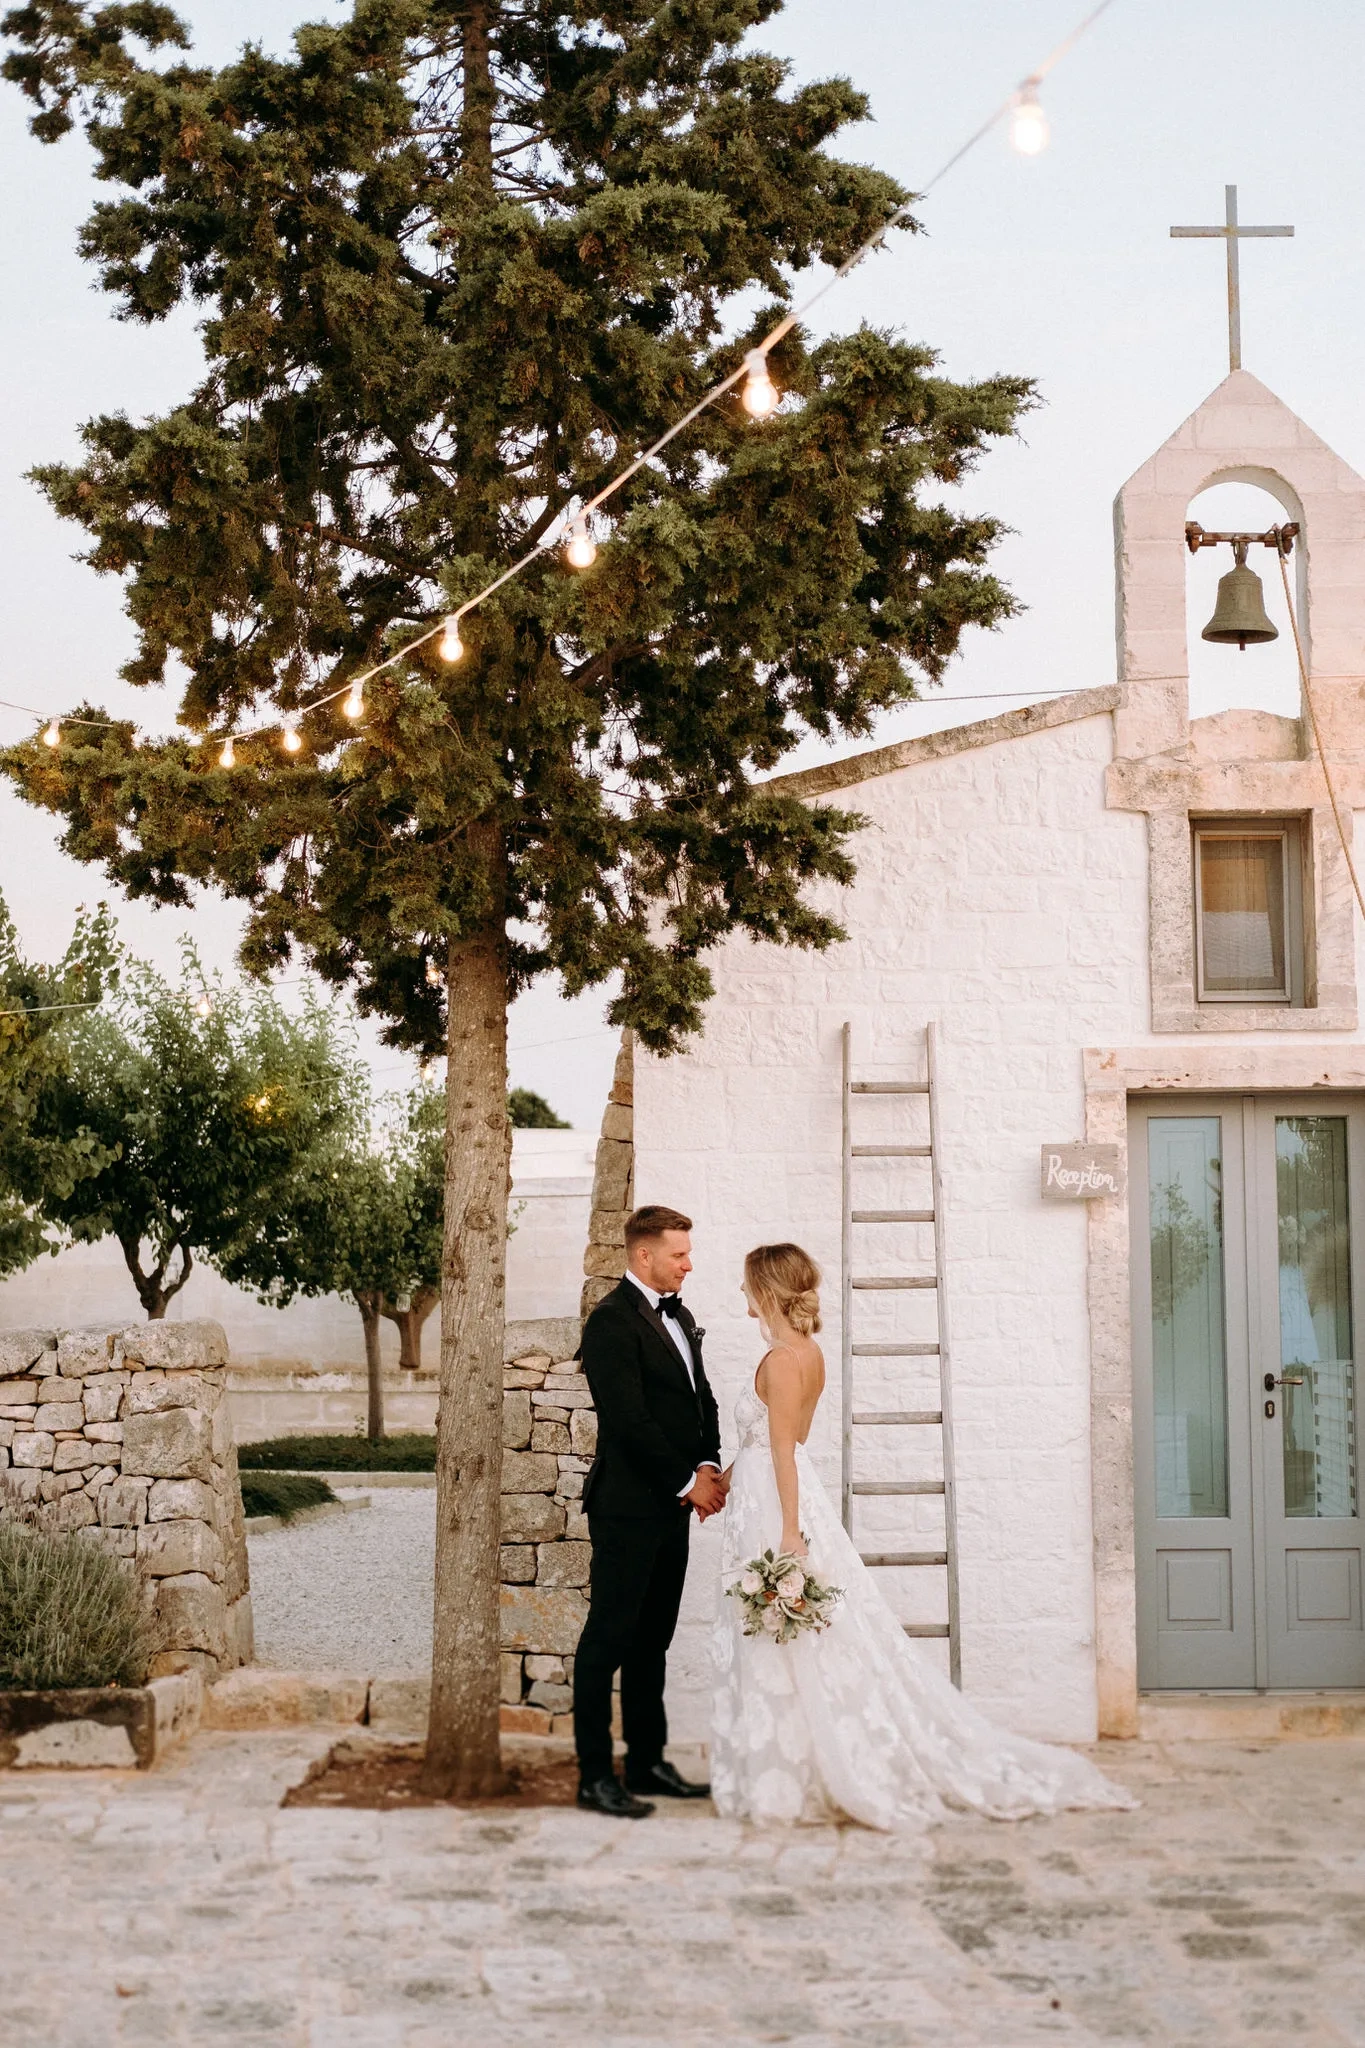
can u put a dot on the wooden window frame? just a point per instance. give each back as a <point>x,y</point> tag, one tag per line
<point>1289,831</point>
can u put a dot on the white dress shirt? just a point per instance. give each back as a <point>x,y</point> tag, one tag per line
<point>679,1336</point>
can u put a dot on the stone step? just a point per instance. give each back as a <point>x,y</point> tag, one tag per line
<point>1255,1717</point>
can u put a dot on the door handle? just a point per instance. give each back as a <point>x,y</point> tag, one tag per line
<point>1271,1382</point>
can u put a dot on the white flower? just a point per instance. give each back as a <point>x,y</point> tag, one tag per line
<point>792,1584</point>
<point>750,1582</point>
<point>772,1618</point>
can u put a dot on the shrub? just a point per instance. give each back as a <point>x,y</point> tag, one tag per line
<point>70,1615</point>
<point>414,1452</point>
<point>282,1493</point>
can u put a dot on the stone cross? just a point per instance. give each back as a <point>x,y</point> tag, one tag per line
<point>1232,234</point>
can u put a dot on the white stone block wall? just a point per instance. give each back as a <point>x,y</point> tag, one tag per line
<point>125,1435</point>
<point>997,895</point>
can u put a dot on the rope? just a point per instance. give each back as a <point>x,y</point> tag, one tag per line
<point>1317,735</point>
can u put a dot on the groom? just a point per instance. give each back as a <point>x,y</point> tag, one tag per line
<point>658,1459</point>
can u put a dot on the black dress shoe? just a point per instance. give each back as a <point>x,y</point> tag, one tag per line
<point>664,1782</point>
<point>608,1795</point>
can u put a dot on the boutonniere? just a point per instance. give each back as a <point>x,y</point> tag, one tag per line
<point>698,1332</point>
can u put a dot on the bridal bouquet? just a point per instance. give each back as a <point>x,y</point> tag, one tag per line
<point>781,1598</point>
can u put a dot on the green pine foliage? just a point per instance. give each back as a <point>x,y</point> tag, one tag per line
<point>456,264</point>
<point>70,1615</point>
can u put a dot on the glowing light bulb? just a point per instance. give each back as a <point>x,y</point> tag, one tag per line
<point>291,739</point>
<point>433,975</point>
<point>204,1006</point>
<point>450,646</point>
<point>354,707</point>
<point>760,395</point>
<point>581,551</point>
<point>1029,130</point>
<point>228,757</point>
<point>52,736</point>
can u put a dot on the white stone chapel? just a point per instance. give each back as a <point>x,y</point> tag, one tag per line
<point>1131,932</point>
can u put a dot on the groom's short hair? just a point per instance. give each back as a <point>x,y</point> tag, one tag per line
<point>652,1221</point>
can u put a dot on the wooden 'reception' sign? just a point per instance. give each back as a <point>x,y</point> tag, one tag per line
<point>1083,1173</point>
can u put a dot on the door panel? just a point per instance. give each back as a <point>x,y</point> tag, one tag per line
<point>1191,1422</point>
<point>1195,1589</point>
<point>1309,1156</point>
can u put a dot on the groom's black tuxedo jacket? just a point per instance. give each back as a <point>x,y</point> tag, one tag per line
<point>653,1427</point>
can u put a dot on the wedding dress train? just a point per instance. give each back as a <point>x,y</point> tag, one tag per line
<point>855,1721</point>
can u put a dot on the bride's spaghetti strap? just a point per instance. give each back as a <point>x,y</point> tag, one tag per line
<point>764,1360</point>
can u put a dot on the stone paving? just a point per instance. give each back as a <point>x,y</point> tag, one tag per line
<point>184,1906</point>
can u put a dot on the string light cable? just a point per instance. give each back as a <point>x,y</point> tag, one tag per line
<point>760,397</point>
<point>1313,721</point>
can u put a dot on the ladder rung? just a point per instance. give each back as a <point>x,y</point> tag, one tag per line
<point>905,1557</point>
<point>925,1628</point>
<point>898,1486</point>
<point>895,1351</point>
<point>905,1415</point>
<point>892,1216</point>
<point>888,1087</point>
<point>919,1280</point>
<point>891,1151</point>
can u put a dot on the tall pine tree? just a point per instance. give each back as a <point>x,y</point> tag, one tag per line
<point>461,259</point>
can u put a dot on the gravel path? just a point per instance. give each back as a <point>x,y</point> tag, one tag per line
<point>349,1594</point>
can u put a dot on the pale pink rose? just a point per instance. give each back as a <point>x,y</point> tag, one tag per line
<point>792,1585</point>
<point>772,1619</point>
<point>750,1582</point>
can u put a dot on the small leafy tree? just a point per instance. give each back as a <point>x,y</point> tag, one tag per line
<point>531,1112</point>
<point>38,1007</point>
<point>362,1216</point>
<point>461,259</point>
<point>203,1100</point>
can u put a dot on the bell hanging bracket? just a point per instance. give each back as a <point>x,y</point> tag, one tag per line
<point>1239,617</point>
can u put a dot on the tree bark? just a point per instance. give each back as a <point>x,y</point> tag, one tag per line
<point>371,1306</point>
<point>151,1291</point>
<point>463,1758</point>
<point>410,1323</point>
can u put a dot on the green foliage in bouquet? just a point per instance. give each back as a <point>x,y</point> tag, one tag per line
<point>782,1598</point>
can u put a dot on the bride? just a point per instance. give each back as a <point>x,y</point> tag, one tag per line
<point>852,1721</point>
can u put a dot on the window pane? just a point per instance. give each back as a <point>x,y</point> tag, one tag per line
<point>1188,1352</point>
<point>1241,903</point>
<point>1318,1420</point>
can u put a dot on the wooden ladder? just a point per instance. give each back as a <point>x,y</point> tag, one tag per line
<point>940,1418</point>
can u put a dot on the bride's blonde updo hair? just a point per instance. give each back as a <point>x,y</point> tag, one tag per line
<point>784,1280</point>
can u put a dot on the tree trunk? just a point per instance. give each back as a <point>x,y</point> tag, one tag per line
<point>410,1322</point>
<point>371,1306</point>
<point>463,1757</point>
<point>152,1291</point>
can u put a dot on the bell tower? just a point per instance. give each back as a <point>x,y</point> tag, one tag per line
<point>1243,764</point>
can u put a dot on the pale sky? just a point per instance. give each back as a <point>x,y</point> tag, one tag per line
<point>1058,267</point>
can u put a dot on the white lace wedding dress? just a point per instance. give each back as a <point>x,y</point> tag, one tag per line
<point>854,1721</point>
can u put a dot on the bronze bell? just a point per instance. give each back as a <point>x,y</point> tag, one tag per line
<point>1240,612</point>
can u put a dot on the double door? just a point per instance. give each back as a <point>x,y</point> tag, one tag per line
<point>1247,1260</point>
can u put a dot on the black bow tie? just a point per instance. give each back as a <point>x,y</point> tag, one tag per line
<point>671,1305</point>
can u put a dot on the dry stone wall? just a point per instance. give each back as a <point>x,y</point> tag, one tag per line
<point>613,1186</point>
<point>126,1436</point>
<point>549,1433</point>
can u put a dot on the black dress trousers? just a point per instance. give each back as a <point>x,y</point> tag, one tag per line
<point>639,1564</point>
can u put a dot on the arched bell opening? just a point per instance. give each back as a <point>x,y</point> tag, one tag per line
<point>1264,676</point>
